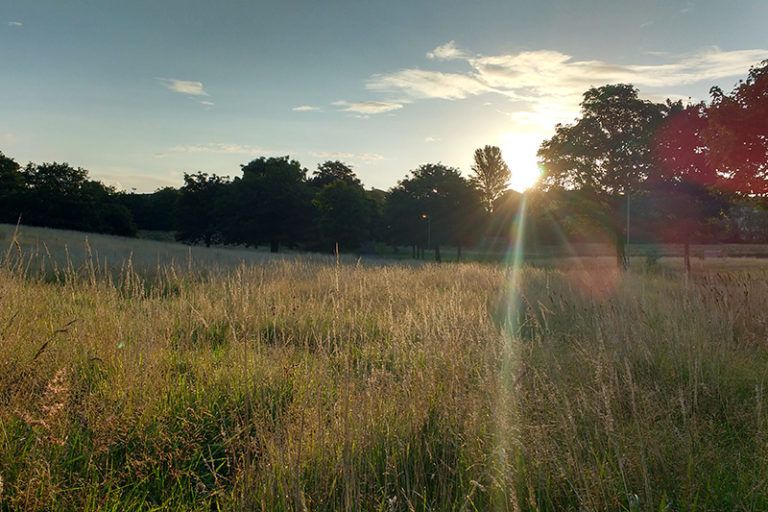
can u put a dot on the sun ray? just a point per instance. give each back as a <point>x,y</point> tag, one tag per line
<point>509,367</point>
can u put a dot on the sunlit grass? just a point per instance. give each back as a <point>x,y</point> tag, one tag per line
<point>298,384</point>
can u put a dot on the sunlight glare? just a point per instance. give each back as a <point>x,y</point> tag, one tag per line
<point>506,410</point>
<point>519,151</point>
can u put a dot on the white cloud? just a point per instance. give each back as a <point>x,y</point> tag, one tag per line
<point>368,107</point>
<point>190,87</point>
<point>220,148</point>
<point>207,103</point>
<point>447,51</point>
<point>306,108</point>
<point>15,24</point>
<point>418,83</point>
<point>340,155</point>
<point>432,139</point>
<point>549,84</point>
<point>531,75</point>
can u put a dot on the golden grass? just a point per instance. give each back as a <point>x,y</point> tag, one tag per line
<point>301,384</point>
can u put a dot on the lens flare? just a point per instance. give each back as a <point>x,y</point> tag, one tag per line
<point>508,436</point>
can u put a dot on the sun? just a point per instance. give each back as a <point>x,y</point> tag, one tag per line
<point>519,151</point>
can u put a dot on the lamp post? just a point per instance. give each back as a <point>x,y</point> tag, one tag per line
<point>426,217</point>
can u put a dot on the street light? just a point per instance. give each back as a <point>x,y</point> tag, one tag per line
<point>426,217</point>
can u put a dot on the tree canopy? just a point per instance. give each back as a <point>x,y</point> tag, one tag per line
<point>606,155</point>
<point>490,175</point>
<point>737,134</point>
<point>199,212</point>
<point>271,203</point>
<point>333,171</point>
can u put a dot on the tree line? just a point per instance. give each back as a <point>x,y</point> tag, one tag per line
<point>60,196</point>
<point>686,168</point>
<point>627,167</point>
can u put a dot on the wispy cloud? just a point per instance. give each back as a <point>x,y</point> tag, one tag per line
<point>432,139</point>
<point>207,104</point>
<point>15,24</point>
<point>190,87</point>
<point>340,155</point>
<point>368,107</point>
<point>418,83</point>
<point>306,108</point>
<point>220,148</point>
<point>447,51</point>
<point>542,79</point>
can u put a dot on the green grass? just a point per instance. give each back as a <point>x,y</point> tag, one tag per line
<point>233,380</point>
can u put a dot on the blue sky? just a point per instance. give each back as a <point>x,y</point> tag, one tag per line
<point>139,92</point>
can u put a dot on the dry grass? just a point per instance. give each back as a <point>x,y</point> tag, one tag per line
<point>300,384</point>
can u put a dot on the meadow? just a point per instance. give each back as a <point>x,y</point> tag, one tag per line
<point>139,375</point>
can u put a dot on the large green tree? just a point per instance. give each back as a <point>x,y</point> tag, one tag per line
<point>199,211</point>
<point>606,154</point>
<point>345,212</point>
<point>344,215</point>
<point>435,206</point>
<point>490,175</point>
<point>401,220</point>
<point>272,203</point>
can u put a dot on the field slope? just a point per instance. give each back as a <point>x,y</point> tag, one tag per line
<point>302,383</point>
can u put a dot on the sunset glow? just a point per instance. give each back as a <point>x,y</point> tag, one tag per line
<point>519,151</point>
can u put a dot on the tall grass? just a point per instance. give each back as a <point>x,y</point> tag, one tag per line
<point>306,384</point>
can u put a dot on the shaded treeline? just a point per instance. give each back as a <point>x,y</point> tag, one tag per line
<point>627,168</point>
<point>58,195</point>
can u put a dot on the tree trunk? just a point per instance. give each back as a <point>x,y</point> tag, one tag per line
<point>687,256</point>
<point>458,253</point>
<point>413,251</point>
<point>621,252</point>
<point>274,246</point>
<point>437,254</point>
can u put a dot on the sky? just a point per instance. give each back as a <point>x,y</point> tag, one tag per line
<point>140,91</point>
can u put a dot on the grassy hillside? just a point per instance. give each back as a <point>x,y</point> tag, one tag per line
<point>242,381</point>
